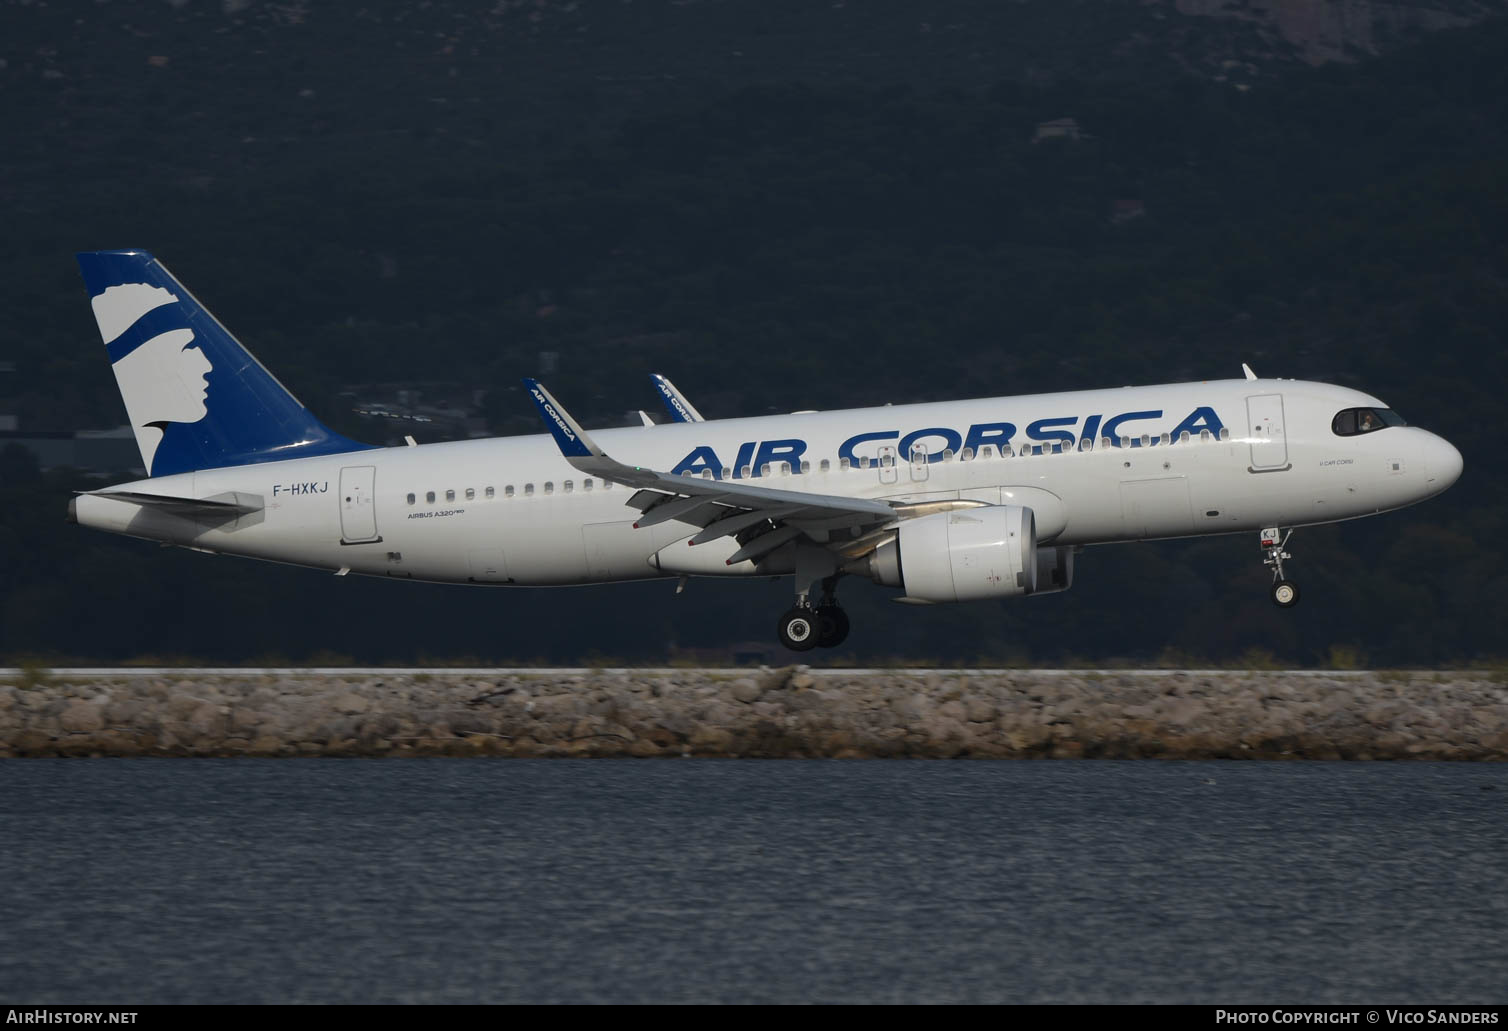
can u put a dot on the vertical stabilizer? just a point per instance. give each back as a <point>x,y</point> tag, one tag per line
<point>195,397</point>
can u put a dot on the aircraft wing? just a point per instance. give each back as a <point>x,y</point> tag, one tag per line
<point>763,518</point>
<point>681,410</point>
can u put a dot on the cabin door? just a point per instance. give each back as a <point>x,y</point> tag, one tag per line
<point>1269,444</point>
<point>358,508</point>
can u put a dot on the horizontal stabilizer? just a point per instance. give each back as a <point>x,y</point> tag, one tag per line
<point>226,505</point>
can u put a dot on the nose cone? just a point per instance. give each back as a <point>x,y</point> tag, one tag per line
<point>1442,463</point>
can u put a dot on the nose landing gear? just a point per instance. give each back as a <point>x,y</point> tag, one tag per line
<point>1285,593</point>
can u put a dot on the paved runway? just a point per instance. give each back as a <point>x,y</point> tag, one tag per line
<point>486,671</point>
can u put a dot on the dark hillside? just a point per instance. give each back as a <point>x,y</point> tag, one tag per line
<point>842,213</point>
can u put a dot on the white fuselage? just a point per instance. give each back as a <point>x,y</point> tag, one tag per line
<point>1258,453</point>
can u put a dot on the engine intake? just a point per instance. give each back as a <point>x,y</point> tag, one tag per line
<point>964,555</point>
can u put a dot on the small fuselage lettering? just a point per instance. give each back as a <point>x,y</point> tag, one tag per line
<point>313,487</point>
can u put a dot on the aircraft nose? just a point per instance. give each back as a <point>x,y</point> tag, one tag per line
<point>1442,463</point>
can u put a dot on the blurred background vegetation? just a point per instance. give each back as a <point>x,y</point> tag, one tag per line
<point>781,205</point>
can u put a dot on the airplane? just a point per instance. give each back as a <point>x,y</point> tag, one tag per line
<point>947,501</point>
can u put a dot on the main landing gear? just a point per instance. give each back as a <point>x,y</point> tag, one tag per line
<point>1285,593</point>
<point>823,626</point>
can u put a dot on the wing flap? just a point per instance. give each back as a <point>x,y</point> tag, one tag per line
<point>684,509</point>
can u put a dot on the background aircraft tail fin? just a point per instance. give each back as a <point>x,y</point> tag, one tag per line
<point>196,398</point>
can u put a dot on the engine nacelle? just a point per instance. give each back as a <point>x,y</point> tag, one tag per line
<point>1054,570</point>
<point>964,555</point>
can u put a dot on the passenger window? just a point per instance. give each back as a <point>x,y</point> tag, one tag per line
<point>528,490</point>
<point>586,484</point>
<point>966,455</point>
<point>806,467</point>
<point>508,491</point>
<point>844,465</point>
<point>568,486</point>
<point>491,493</point>
<point>429,496</point>
<point>825,465</point>
<point>470,494</point>
<point>410,499</point>
<point>549,486</point>
<point>764,470</point>
<point>450,495</point>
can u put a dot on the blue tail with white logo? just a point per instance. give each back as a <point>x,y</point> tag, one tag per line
<point>195,397</point>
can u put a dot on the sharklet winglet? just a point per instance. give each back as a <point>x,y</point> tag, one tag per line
<point>569,436</point>
<point>680,409</point>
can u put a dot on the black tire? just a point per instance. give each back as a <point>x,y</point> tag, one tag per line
<point>832,626</point>
<point>1285,594</point>
<point>798,629</point>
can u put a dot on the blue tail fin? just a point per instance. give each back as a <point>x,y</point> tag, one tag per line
<point>196,398</point>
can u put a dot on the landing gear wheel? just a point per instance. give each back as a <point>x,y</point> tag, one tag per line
<point>799,629</point>
<point>1285,594</point>
<point>832,626</point>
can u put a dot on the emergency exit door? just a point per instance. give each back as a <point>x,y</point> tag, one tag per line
<point>358,508</point>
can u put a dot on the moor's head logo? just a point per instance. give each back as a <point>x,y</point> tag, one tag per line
<point>162,376</point>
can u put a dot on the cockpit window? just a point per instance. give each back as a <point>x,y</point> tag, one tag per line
<point>1353,421</point>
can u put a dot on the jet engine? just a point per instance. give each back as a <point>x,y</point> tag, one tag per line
<point>963,555</point>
